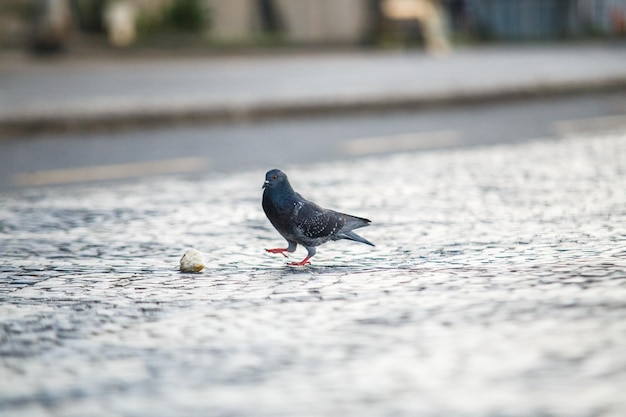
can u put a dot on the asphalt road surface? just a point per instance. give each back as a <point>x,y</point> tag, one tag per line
<point>70,158</point>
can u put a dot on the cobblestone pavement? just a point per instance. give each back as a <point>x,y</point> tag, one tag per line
<point>497,288</point>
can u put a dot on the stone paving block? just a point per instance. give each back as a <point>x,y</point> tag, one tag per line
<point>497,287</point>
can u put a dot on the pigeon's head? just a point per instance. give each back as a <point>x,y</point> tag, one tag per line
<point>275,178</point>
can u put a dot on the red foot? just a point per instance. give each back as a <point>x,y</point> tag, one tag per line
<point>278,250</point>
<point>303,262</point>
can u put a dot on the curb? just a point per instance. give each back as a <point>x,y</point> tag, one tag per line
<point>73,122</point>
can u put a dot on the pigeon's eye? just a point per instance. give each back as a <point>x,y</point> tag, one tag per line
<point>274,177</point>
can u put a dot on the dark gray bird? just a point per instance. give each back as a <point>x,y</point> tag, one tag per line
<point>303,222</point>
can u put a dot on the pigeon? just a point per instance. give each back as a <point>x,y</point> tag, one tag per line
<point>303,222</point>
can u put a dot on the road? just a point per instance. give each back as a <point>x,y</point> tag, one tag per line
<point>36,95</point>
<point>231,147</point>
<point>497,287</point>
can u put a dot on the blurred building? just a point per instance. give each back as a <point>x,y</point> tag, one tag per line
<point>299,21</point>
<point>546,19</point>
<point>305,22</point>
<point>352,21</point>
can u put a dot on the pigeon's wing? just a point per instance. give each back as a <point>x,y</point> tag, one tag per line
<point>315,222</point>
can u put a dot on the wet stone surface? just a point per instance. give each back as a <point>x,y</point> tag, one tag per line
<point>497,288</point>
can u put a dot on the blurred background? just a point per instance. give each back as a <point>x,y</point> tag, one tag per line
<point>46,25</point>
<point>223,85</point>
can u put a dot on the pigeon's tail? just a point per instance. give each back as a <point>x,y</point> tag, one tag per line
<point>355,237</point>
<point>353,222</point>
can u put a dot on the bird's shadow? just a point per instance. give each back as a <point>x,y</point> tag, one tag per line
<point>322,269</point>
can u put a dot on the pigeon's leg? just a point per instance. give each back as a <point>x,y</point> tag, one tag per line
<point>277,250</point>
<point>290,248</point>
<point>305,261</point>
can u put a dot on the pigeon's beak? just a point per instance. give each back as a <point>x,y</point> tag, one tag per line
<point>265,184</point>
